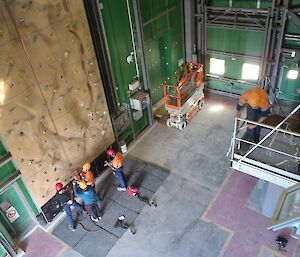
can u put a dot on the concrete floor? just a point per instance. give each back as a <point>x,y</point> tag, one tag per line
<point>196,158</point>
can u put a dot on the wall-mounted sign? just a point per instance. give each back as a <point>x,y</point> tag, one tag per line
<point>12,214</point>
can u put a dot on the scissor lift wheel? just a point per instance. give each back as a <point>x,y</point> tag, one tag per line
<point>200,104</point>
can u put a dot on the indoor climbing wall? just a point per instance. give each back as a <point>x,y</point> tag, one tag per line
<point>53,111</point>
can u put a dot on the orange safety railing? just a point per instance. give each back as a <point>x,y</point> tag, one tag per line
<point>179,87</point>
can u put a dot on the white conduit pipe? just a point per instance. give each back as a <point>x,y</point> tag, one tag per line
<point>132,40</point>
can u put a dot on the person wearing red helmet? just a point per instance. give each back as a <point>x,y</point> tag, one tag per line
<point>116,164</point>
<point>65,199</point>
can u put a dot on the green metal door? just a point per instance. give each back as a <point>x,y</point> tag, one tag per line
<point>12,196</point>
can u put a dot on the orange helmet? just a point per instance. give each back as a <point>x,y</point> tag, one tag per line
<point>110,152</point>
<point>59,186</point>
<point>86,166</point>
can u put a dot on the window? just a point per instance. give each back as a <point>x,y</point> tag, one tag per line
<point>217,66</point>
<point>292,74</point>
<point>250,71</point>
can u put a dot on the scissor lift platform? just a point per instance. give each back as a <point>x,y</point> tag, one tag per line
<point>183,94</point>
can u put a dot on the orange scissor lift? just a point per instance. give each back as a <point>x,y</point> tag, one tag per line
<point>183,94</point>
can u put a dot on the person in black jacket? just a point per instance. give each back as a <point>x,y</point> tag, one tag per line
<point>66,200</point>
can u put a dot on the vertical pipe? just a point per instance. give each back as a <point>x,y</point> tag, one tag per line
<point>198,21</point>
<point>204,35</point>
<point>269,22</point>
<point>140,39</point>
<point>233,139</point>
<point>274,79</point>
<point>132,39</point>
<point>189,24</point>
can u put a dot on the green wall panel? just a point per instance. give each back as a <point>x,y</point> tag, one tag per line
<point>120,45</point>
<point>24,220</point>
<point>2,150</point>
<point>2,251</point>
<point>28,197</point>
<point>236,41</point>
<point>6,171</point>
<point>164,41</point>
<point>288,86</point>
<point>163,30</point>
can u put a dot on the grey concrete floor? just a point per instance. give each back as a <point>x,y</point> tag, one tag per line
<point>198,166</point>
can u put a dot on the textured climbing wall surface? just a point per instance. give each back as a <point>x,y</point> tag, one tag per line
<point>53,112</point>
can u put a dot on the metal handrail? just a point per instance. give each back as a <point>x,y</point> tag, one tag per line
<point>273,129</point>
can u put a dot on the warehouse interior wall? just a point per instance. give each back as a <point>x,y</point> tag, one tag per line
<point>53,110</point>
<point>162,24</point>
<point>236,43</point>
<point>54,113</point>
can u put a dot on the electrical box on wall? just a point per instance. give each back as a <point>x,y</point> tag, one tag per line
<point>133,85</point>
<point>139,101</point>
<point>137,115</point>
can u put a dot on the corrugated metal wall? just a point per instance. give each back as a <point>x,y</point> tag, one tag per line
<point>251,43</point>
<point>163,29</point>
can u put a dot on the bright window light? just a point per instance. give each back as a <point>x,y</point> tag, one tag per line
<point>217,66</point>
<point>292,74</point>
<point>250,71</point>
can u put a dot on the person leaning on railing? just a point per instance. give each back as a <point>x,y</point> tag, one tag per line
<point>258,109</point>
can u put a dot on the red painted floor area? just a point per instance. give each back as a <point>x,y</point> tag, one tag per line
<point>42,244</point>
<point>249,227</point>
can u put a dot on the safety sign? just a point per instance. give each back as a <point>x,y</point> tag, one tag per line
<point>12,214</point>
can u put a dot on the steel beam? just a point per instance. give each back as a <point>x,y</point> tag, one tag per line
<point>140,39</point>
<point>234,55</point>
<point>190,34</point>
<point>295,18</point>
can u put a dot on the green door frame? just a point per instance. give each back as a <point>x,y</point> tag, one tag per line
<point>14,184</point>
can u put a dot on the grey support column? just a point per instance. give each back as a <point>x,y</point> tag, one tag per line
<point>190,26</point>
<point>140,39</point>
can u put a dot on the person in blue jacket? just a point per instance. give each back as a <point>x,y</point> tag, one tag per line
<point>88,196</point>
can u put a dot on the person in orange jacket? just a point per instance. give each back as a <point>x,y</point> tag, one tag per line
<point>256,100</point>
<point>116,164</point>
<point>87,175</point>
